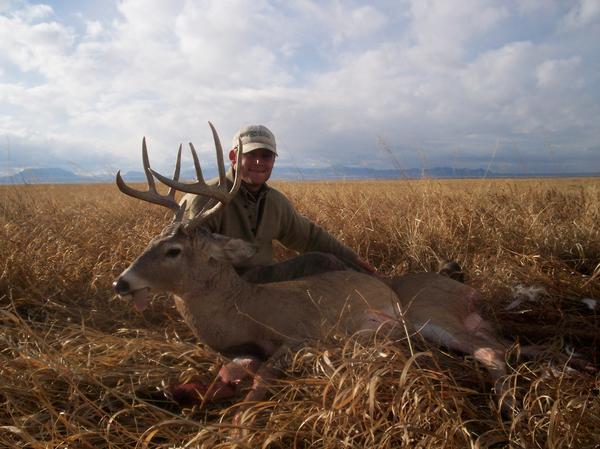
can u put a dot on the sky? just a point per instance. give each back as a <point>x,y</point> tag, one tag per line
<point>511,85</point>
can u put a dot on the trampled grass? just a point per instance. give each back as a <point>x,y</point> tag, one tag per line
<point>80,369</point>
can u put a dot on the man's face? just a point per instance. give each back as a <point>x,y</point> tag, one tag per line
<point>256,167</point>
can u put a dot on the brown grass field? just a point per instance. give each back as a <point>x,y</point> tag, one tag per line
<point>80,369</point>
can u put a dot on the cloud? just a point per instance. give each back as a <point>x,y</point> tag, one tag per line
<point>442,30</point>
<point>559,73</point>
<point>440,82</point>
<point>31,45</point>
<point>583,13</point>
<point>30,13</point>
<point>93,28</point>
<point>527,7</point>
<point>340,22</point>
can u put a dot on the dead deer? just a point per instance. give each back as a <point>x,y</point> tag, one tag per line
<point>260,322</point>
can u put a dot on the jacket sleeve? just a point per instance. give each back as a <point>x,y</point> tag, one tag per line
<point>301,234</point>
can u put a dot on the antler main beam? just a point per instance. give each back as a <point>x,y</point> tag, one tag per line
<point>151,195</point>
<point>219,192</point>
<point>218,195</point>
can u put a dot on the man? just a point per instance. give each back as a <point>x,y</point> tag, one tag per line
<point>261,214</point>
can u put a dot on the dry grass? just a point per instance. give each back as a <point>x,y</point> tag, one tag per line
<point>79,369</point>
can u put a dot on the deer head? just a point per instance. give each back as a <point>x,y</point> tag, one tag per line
<point>184,254</point>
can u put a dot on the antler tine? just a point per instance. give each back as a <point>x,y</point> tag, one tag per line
<point>172,191</point>
<point>219,192</point>
<point>179,215</point>
<point>197,166</point>
<point>151,195</point>
<point>146,164</point>
<point>219,151</point>
<point>237,180</point>
<point>209,210</point>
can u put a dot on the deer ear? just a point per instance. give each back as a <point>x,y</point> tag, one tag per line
<point>231,250</point>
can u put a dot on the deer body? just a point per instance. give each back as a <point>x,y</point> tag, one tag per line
<point>260,321</point>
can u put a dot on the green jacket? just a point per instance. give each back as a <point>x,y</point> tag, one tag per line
<point>262,219</point>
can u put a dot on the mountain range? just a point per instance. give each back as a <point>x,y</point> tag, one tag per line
<point>339,172</point>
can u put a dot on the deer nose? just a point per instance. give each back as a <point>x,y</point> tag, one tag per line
<point>121,287</point>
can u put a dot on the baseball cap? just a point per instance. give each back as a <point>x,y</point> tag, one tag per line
<point>254,137</point>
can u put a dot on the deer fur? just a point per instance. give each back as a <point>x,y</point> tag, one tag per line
<point>259,322</point>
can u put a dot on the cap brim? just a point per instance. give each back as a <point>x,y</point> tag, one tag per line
<point>247,147</point>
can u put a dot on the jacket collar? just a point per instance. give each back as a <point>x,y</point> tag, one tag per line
<point>244,191</point>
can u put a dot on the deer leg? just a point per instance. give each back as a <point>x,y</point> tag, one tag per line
<point>262,380</point>
<point>263,377</point>
<point>230,376</point>
<point>491,354</point>
<point>475,336</point>
<point>223,387</point>
<point>260,386</point>
<point>577,363</point>
<point>489,349</point>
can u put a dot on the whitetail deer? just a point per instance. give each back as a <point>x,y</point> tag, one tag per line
<point>237,318</point>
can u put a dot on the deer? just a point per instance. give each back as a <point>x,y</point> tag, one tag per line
<point>254,325</point>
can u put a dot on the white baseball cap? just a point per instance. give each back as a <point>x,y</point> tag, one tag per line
<point>254,137</point>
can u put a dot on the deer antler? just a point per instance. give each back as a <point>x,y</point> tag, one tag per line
<point>151,195</point>
<point>219,193</point>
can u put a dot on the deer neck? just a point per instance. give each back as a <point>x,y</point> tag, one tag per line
<point>220,288</point>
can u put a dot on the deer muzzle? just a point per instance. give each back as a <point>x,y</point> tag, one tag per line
<point>121,287</point>
<point>141,296</point>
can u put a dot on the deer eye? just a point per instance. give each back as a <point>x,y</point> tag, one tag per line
<point>173,252</point>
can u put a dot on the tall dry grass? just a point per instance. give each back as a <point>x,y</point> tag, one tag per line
<point>80,369</point>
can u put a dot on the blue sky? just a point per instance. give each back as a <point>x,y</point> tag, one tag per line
<point>514,85</point>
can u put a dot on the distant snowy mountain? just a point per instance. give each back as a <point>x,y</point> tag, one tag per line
<point>62,176</point>
<point>342,172</point>
<point>43,175</point>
